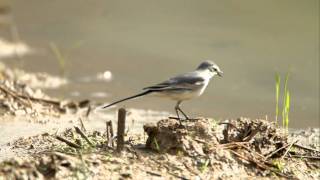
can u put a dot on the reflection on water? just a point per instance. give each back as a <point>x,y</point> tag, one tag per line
<point>144,42</point>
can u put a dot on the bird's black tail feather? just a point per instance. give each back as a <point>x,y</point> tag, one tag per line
<point>128,98</point>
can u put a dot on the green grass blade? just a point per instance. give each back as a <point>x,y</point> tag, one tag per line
<point>284,110</point>
<point>156,144</point>
<point>60,58</point>
<point>287,105</point>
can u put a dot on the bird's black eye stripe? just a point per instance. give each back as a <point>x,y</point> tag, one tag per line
<point>213,69</point>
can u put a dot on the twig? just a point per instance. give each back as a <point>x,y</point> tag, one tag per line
<point>71,144</point>
<point>108,133</point>
<point>307,157</point>
<point>88,111</point>
<point>252,134</point>
<point>121,128</point>
<point>171,117</point>
<point>200,141</point>
<point>274,152</point>
<point>247,130</point>
<point>288,149</point>
<point>22,97</point>
<point>306,148</point>
<point>78,130</point>
<point>232,145</point>
<point>14,95</point>
<point>49,101</point>
<point>241,156</point>
<point>83,128</point>
<point>251,151</point>
<point>262,166</point>
<point>153,173</point>
<point>260,155</point>
<point>109,130</point>
<point>133,151</point>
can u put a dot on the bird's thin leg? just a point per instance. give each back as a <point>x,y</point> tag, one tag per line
<point>176,108</point>
<point>184,114</point>
<point>179,109</point>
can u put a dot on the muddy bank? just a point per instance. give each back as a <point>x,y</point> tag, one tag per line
<point>203,149</point>
<point>26,110</point>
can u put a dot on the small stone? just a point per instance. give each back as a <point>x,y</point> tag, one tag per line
<point>20,112</point>
<point>126,175</point>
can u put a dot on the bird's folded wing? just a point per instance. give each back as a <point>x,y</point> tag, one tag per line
<point>182,82</point>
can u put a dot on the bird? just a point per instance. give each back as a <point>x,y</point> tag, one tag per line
<point>181,87</point>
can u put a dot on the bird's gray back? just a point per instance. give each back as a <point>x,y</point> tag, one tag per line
<point>188,80</point>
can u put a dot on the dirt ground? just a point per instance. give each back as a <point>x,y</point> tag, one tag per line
<point>201,148</point>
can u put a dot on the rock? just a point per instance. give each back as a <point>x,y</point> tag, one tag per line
<point>19,112</point>
<point>169,136</point>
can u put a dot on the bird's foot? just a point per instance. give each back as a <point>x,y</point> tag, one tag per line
<point>180,121</point>
<point>186,119</point>
<point>193,119</point>
<point>176,118</point>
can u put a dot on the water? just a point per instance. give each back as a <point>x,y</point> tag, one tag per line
<point>144,42</point>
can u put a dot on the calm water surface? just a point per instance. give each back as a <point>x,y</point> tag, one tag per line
<point>144,42</point>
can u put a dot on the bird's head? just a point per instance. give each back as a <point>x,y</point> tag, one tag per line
<point>210,66</point>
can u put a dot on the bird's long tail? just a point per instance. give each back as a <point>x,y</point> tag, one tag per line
<point>128,98</point>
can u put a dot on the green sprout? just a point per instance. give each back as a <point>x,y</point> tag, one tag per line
<point>279,165</point>
<point>60,58</point>
<point>285,102</point>
<point>204,166</point>
<point>287,110</point>
<point>156,144</point>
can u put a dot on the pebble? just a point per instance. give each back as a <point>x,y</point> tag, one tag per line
<point>19,112</point>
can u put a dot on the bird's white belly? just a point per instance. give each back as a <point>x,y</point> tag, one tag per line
<point>183,95</point>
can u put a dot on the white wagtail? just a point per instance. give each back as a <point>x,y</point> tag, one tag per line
<point>182,87</point>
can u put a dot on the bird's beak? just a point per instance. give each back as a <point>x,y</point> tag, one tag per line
<point>220,73</point>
